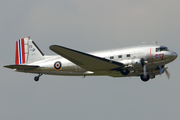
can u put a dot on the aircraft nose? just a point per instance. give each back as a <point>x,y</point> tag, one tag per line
<point>174,54</point>
<point>170,55</point>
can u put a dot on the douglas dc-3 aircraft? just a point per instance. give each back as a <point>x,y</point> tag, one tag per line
<point>145,61</point>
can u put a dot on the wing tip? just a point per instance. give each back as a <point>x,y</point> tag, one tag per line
<point>52,47</point>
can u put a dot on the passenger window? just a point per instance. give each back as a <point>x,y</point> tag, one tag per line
<point>112,57</point>
<point>128,55</point>
<point>120,56</point>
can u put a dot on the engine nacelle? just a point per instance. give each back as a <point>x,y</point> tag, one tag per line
<point>132,62</point>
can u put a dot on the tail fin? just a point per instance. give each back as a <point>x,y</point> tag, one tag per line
<point>27,51</point>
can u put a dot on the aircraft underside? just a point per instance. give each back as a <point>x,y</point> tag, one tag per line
<point>151,73</point>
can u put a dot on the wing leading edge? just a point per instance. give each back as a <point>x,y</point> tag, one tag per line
<point>84,60</point>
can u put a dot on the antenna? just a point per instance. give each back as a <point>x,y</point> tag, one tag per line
<point>154,42</point>
<point>28,37</point>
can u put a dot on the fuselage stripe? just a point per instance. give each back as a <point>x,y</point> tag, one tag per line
<point>23,50</point>
<point>20,61</point>
<point>17,55</point>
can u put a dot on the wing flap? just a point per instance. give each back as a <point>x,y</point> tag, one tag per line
<point>85,60</point>
<point>21,67</point>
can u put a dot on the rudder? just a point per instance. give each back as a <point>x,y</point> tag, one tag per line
<point>27,51</point>
<point>21,51</point>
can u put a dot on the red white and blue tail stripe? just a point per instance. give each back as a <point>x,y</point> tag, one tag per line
<point>20,52</point>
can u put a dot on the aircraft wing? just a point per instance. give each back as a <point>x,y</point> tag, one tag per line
<point>85,60</point>
<point>21,67</point>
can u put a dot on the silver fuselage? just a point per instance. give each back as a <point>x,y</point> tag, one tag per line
<point>130,57</point>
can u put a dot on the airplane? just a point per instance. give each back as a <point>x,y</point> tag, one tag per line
<point>145,61</point>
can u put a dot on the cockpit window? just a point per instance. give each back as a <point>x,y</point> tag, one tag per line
<point>157,49</point>
<point>162,49</point>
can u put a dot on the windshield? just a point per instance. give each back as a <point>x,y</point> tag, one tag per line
<point>162,49</point>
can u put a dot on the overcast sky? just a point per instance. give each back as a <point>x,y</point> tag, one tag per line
<point>88,25</point>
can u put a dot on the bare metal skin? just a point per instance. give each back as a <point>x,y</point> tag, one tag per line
<point>145,61</point>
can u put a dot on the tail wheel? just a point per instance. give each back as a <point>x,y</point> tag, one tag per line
<point>144,78</point>
<point>36,78</point>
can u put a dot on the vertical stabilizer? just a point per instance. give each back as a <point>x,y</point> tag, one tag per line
<point>27,51</point>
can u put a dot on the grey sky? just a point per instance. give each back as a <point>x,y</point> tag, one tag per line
<point>88,26</point>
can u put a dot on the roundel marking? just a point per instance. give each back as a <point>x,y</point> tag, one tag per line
<point>57,65</point>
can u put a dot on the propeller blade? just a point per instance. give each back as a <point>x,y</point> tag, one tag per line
<point>167,73</point>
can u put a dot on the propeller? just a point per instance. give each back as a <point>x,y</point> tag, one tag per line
<point>167,73</point>
<point>162,70</point>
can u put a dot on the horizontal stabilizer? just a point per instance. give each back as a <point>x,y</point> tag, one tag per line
<point>21,67</point>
